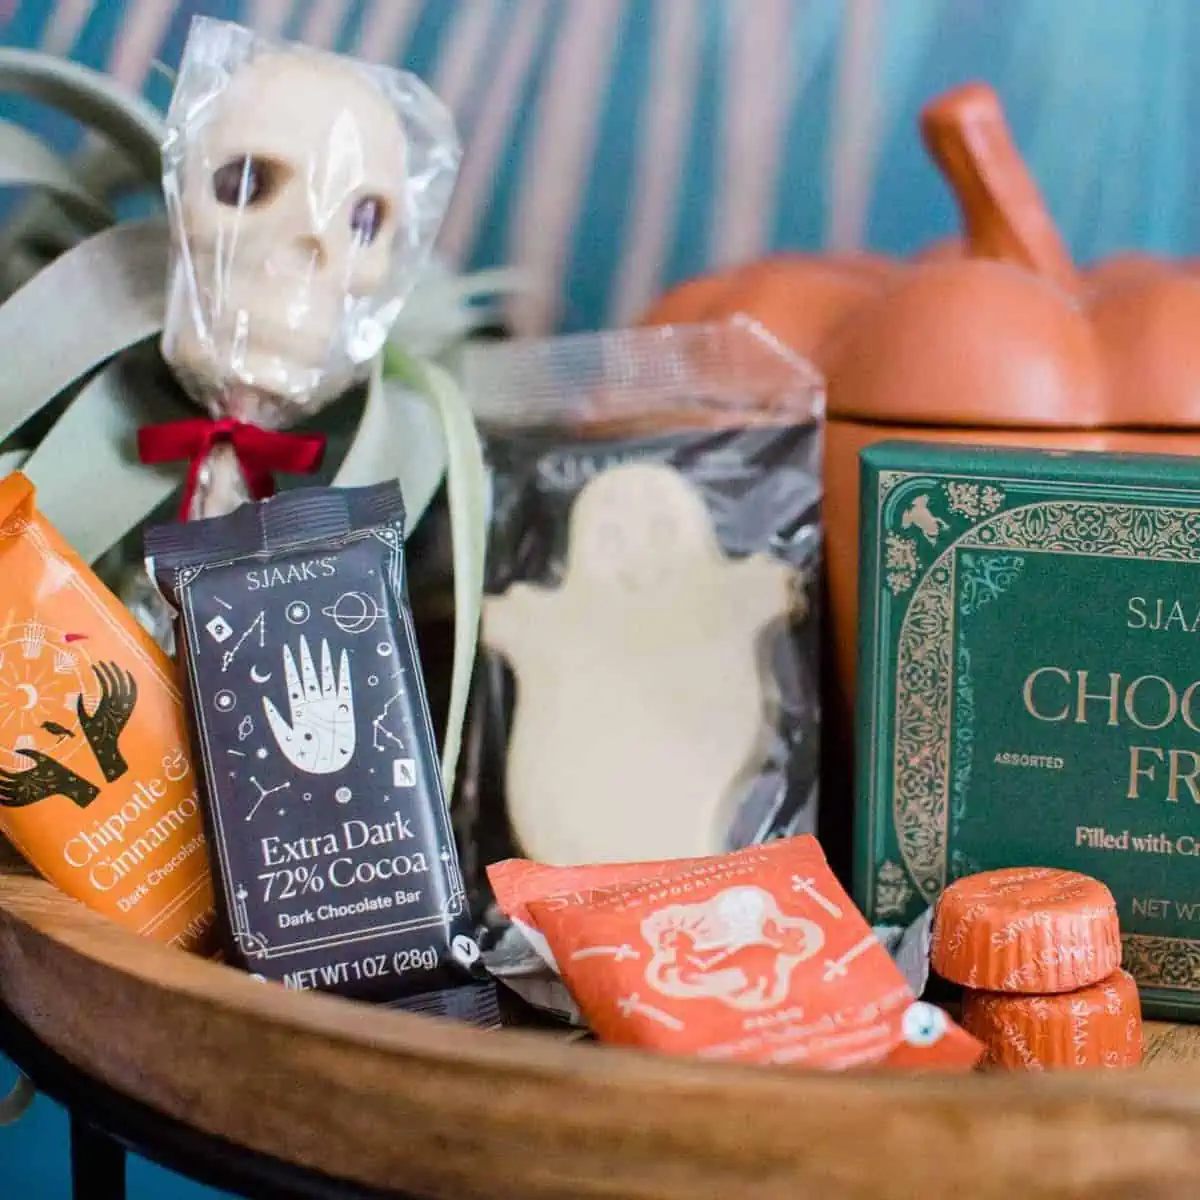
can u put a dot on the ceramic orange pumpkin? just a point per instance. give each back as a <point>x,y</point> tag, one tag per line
<point>997,338</point>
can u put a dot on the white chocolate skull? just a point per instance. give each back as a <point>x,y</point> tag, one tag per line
<point>291,197</point>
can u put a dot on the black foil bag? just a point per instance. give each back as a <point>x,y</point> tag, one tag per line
<point>742,422</point>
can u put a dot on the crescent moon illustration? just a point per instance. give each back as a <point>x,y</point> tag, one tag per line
<point>257,677</point>
<point>30,693</point>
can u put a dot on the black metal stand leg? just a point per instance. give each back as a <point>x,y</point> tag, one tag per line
<point>97,1164</point>
<point>98,1159</point>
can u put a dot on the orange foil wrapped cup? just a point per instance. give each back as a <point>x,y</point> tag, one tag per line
<point>756,956</point>
<point>1097,1026</point>
<point>97,789</point>
<point>1028,930</point>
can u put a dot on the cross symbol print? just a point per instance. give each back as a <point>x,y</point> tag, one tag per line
<point>837,968</point>
<point>616,953</point>
<point>629,1005</point>
<point>809,888</point>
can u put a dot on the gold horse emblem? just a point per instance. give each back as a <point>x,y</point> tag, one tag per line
<point>920,515</point>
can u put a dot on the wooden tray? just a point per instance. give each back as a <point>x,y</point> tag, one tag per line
<point>392,1100</point>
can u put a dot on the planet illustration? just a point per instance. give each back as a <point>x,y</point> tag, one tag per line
<point>354,612</point>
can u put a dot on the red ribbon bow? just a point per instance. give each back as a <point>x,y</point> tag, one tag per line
<point>260,452</point>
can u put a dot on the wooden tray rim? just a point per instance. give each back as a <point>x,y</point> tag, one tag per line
<point>389,1099</point>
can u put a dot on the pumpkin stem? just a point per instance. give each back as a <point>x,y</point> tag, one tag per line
<point>1003,213</point>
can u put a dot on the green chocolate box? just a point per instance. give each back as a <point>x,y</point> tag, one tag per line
<point>1029,685</point>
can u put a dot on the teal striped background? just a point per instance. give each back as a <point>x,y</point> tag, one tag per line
<point>614,146</point>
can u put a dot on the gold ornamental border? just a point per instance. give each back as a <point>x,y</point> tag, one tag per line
<point>924,680</point>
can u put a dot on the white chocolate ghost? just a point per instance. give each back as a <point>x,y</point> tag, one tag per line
<point>642,694</point>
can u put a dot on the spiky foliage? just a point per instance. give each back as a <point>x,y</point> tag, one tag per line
<point>82,296</point>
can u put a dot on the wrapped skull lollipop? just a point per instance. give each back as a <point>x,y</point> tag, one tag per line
<point>304,190</point>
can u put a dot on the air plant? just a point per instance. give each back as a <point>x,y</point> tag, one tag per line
<point>83,276</point>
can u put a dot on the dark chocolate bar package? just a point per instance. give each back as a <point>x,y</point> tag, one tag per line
<point>648,683</point>
<point>332,849</point>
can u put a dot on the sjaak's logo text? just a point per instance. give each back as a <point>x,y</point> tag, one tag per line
<point>1162,614</point>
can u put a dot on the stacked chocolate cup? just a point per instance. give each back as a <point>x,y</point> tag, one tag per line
<point>1038,952</point>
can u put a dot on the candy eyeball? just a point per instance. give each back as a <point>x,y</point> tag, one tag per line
<point>923,1024</point>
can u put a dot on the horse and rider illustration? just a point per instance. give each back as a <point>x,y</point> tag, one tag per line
<point>737,948</point>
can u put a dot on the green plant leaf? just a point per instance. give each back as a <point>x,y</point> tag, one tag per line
<point>91,487</point>
<point>125,154</point>
<point>26,161</point>
<point>399,437</point>
<point>93,99</point>
<point>444,309</point>
<point>466,484</point>
<point>95,301</point>
<point>43,226</point>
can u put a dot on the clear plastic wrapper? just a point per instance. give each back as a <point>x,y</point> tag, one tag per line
<point>909,947</point>
<point>739,420</point>
<point>304,191</point>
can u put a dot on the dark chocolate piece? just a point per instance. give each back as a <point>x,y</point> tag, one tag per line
<point>335,863</point>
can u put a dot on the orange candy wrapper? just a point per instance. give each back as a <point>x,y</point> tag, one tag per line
<point>756,956</point>
<point>1033,930</point>
<point>1095,1027</point>
<point>97,789</point>
<point>519,881</point>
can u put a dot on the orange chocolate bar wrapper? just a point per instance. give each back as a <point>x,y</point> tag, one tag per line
<point>757,956</point>
<point>97,789</point>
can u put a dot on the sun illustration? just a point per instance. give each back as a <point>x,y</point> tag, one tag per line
<point>42,674</point>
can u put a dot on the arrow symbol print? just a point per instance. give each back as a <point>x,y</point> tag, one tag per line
<point>319,737</point>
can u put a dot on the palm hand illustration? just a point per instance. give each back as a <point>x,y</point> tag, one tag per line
<point>319,738</point>
<point>44,779</point>
<point>103,726</point>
